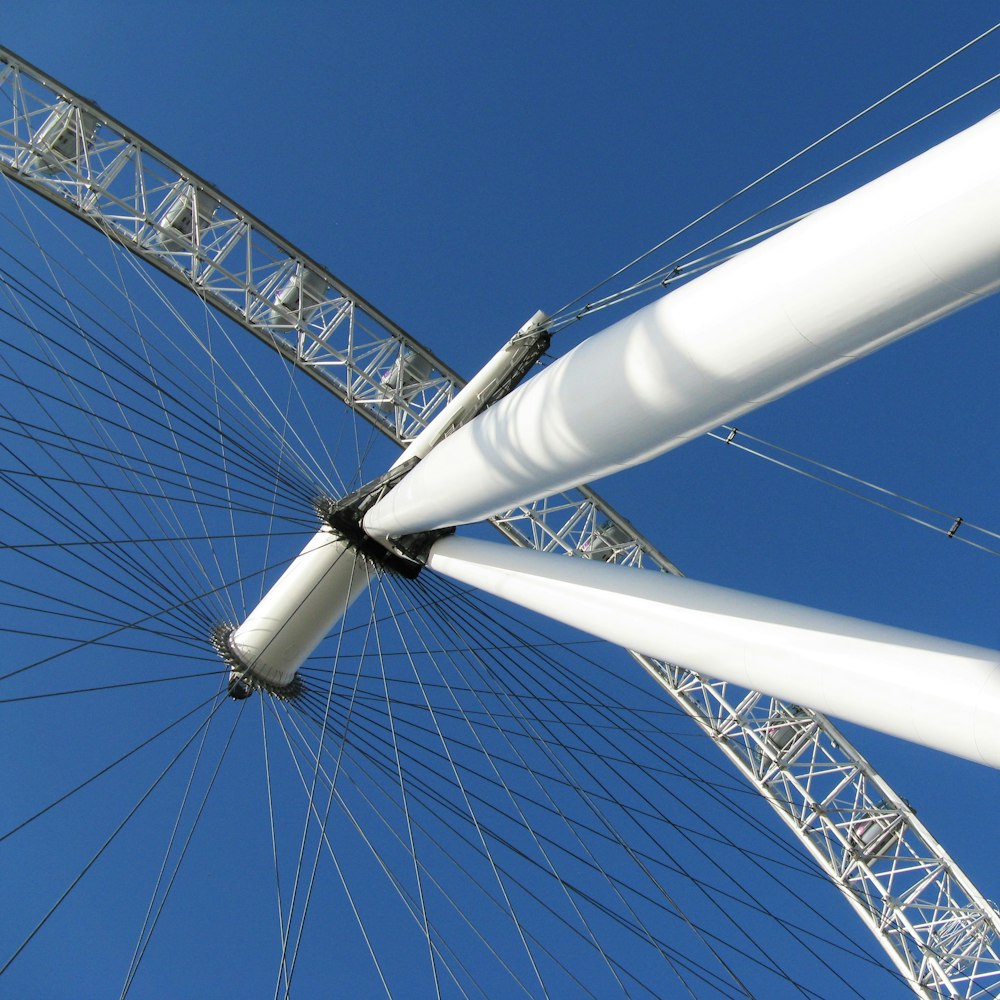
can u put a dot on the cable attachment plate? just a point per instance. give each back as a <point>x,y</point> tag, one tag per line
<point>243,681</point>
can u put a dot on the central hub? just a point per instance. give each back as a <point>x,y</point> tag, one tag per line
<point>243,680</point>
<point>277,637</point>
<point>404,557</point>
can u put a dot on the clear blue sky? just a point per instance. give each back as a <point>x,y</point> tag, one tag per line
<point>464,166</point>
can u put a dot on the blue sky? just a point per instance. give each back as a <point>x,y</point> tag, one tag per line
<point>465,166</point>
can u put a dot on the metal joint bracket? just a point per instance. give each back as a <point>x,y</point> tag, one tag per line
<point>403,556</point>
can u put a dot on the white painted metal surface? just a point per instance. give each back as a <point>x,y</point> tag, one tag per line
<point>905,249</point>
<point>300,609</point>
<point>932,691</point>
<point>470,397</point>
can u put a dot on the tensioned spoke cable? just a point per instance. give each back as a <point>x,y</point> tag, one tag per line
<point>51,441</point>
<point>235,407</point>
<point>781,166</point>
<point>362,451</point>
<point>507,791</point>
<point>150,540</point>
<point>114,456</point>
<point>181,627</point>
<point>166,854</point>
<point>105,770</point>
<point>619,715</point>
<point>252,454</point>
<point>412,847</point>
<point>467,801</point>
<point>603,756</point>
<point>337,867</point>
<point>53,543</point>
<point>75,646</point>
<point>283,970</point>
<point>207,498</point>
<point>502,720</point>
<point>165,405</point>
<point>331,779</point>
<point>609,827</point>
<point>444,597</point>
<point>106,844</point>
<point>515,762</point>
<point>485,611</point>
<point>75,525</point>
<point>310,805</point>
<point>177,643</point>
<point>953,527</point>
<point>306,701</point>
<point>137,959</point>
<point>526,887</point>
<point>274,496</point>
<point>533,776</point>
<point>401,891</point>
<point>512,645</point>
<point>609,706</point>
<point>57,606</point>
<point>110,687</point>
<point>195,445</point>
<point>386,766</point>
<point>301,449</point>
<point>215,369</point>
<point>108,382</point>
<point>227,480</point>
<point>445,804</point>
<point>99,427</point>
<point>87,557</point>
<point>291,443</point>
<point>140,600</point>
<point>629,709</point>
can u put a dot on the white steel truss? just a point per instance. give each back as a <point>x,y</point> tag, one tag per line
<point>937,928</point>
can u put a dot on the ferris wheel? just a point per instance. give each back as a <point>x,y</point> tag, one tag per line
<point>472,802</point>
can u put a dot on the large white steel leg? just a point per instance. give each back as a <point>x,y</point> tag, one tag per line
<point>909,247</point>
<point>300,609</point>
<point>932,691</point>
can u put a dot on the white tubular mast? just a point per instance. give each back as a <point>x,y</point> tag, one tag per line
<point>295,615</point>
<point>932,691</point>
<point>905,249</point>
<point>472,397</point>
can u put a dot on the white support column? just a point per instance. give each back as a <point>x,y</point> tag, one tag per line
<point>295,615</point>
<point>932,691</point>
<point>900,252</point>
<point>469,399</point>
